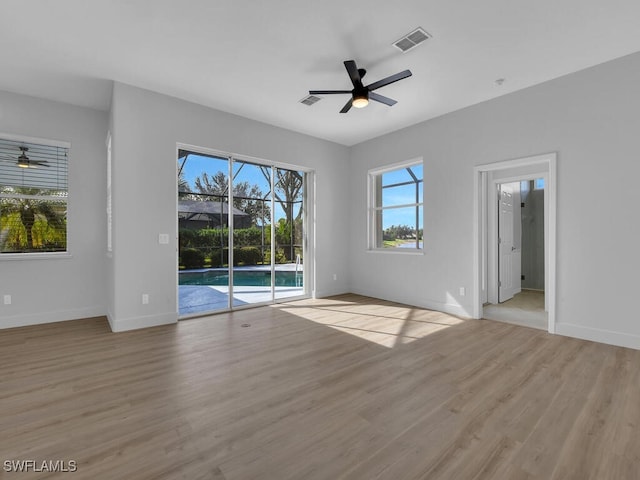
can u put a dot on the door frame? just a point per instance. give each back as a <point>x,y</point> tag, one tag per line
<point>493,261</point>
<point>538,166</point>
<point>309,215</point>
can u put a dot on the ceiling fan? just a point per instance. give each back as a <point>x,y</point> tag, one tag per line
<point>361,94</point>
<point>23,161</point>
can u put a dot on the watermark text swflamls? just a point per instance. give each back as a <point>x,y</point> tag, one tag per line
<point>57,466</point>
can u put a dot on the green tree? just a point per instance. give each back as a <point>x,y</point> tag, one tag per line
<point>288,191</point>
<point>246,197</point>
<point>43,222</point>
<point>288,185</point>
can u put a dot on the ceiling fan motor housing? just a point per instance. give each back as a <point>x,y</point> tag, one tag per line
<point>360,97</point>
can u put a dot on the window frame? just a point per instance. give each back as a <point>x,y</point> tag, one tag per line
<point>43,255</point>
<point>109,211</point>
<point>373,208</point>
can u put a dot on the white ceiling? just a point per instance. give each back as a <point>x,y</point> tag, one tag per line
<point>259,58</point>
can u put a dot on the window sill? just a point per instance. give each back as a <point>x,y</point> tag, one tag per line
<point>398,251</point>
<point>35,256</point>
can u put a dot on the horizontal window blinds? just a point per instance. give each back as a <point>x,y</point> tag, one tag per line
<point>33,166</point>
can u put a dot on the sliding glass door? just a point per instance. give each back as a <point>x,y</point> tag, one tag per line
<point>289,232</point>
<point>241,233</point>
<point>203,233</point>
<point>252,266</point>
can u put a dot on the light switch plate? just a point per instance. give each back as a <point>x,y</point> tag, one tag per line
<point>163,238</point>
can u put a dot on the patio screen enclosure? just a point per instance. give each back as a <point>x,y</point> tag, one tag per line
<point>241,227</point>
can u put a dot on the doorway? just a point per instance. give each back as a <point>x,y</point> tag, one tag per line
<point>242,227</point>
<point>504,251</point>
<point>520,237</point>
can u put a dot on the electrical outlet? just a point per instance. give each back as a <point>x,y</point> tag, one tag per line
<point>7,299</point>
<point>463,291</point>
<point>145,298</point>
<point>335,276</point>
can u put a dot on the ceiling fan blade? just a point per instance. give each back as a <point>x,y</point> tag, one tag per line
<point>388,80</point>
<point>382,99</point>
<point>40,163</point>
<point>327,92</point>
<point>353,72</point>
<point>347,106</point>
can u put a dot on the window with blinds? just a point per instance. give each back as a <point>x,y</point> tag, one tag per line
<point>33,196</point>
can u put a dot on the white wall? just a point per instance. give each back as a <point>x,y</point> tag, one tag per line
<point>65,288</point>
<point>592,119</point>
<point>146,127</point>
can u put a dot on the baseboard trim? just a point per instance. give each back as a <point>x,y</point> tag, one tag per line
<point>134,323</point>
<point>51,317</point>
<point>325,294</point>
<point>110,320</point>
<point>450,308</point>
<point>598,335</point>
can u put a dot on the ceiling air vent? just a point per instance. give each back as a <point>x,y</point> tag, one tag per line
<point>411,40</point>
<point>310,100</point>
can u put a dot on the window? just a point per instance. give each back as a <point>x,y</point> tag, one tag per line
<point>109,198</point>
<point>33,196</point>
<point>396,207</point>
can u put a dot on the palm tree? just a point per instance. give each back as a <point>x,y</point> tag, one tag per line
<point>42,220</point>
<point>184,190</point>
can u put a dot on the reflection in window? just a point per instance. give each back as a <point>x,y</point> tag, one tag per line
<point>33,197</point>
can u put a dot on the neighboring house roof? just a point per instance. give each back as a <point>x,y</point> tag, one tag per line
<point>204,210</point>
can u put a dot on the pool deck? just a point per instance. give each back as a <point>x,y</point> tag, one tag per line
<point>194,299</point>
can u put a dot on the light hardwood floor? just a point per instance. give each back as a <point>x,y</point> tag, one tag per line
<point>340,388</point>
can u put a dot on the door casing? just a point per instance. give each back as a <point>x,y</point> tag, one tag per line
<point>485,237</point>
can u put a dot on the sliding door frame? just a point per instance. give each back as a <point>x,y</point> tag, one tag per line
<point>308,213</point>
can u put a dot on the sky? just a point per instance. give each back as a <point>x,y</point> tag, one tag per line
<point>196,165</point>
<point>400,195</point>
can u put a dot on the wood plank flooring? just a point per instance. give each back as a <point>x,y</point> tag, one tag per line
<point>341,388</point>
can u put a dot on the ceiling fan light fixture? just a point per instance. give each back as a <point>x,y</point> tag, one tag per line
<point>360,100</point>
<point>23,161</point>
<point>361,94</point>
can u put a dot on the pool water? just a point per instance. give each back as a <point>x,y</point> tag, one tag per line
<point>241,278</point>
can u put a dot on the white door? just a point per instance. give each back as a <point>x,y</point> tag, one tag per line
<point>509,241</point>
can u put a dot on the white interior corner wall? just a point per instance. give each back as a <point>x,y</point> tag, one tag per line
<point>109,262</point>
<point>591,119</point>
<point>146,127</point>
<point>50,290</point>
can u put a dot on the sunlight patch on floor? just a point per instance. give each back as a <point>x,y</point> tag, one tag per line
<point>386,325</point>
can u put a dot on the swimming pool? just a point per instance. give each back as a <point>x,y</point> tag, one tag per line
<point>241,278</point>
